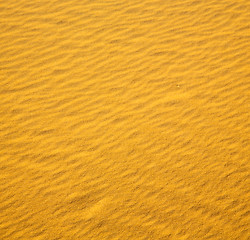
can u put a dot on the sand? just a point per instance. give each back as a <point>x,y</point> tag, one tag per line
<point>124,119</point>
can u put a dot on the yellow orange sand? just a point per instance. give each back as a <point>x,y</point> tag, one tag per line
<point>124,119</point>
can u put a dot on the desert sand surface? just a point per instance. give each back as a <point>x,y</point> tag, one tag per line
<point>124,119</point>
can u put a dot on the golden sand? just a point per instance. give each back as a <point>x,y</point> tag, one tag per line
<point>124,119</point>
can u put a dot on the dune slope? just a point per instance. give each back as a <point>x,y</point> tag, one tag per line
<point>124,119</point>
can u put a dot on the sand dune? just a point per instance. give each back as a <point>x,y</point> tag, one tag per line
<point>124,119</point>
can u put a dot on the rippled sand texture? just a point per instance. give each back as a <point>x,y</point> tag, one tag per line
<point>124,119</point>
